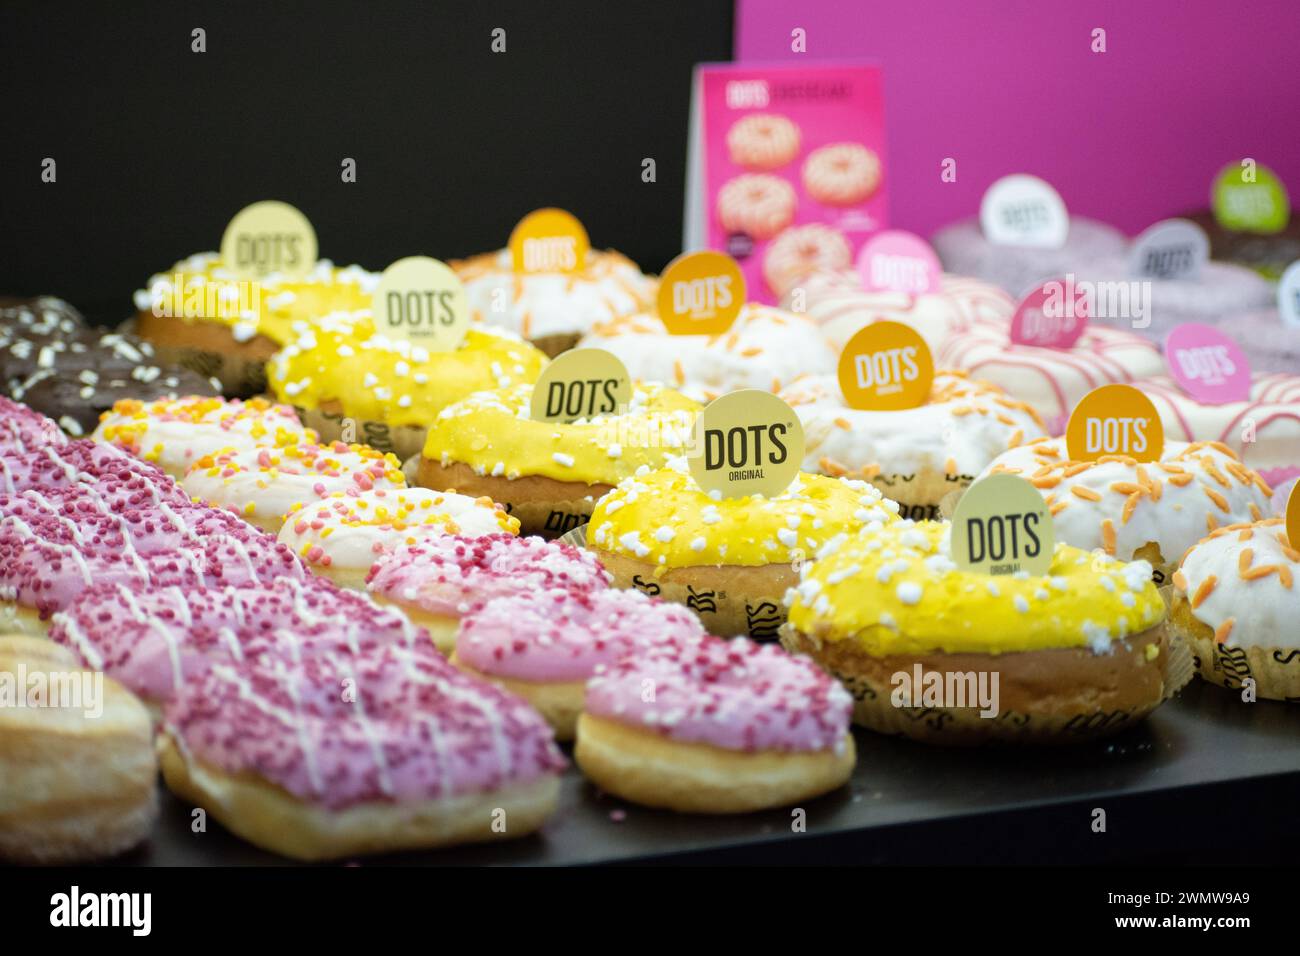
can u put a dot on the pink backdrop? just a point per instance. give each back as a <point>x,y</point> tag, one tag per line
<point>1129,136</point>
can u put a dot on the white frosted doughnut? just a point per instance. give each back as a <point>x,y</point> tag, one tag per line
<point>841,174</point>
<point>763,141</point>
<point>756,204</point>
<point>801,250</point>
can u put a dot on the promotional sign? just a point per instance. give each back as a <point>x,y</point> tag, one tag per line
<point>421,300</point>
<point>1115,420</point>
<point>266,237</point>
<point>748,442</point>
<point>787,170</point>
<point>1002,525</point>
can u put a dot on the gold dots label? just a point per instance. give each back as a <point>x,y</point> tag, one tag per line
<point>701,293</point>
<point>886,367</point>
<point>1002,525</point>
<point>748,442</point>
<point>581,383</point>
<point>549,240</point>
<point>420,300</point>
<point>1293,516</point>
<point>1115,420</point>
<point>269,237</point>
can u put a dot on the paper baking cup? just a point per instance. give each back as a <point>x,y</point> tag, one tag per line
<point>404,441</point>
<point>552,519</point>
<point>1275,670</point>
<point>951,726</point>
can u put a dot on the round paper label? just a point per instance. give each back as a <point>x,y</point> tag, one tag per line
<point>581,384</point>
<point>899,261</point>
<point>1170,249</point>
<point>700,293</point>
<point>1207,364</point>
<point>1248,197</point>
<point>746,443</point>
<point>886,367</point>
<point>549,240</point>
<point>1023,210</point>
<point>1293,516</point>
<point>1053,316</point>
<point>1002,525</point>
<point>267,237</point>
<point>421,300</point>
<point>1288,295</point>
<point>1115,420</point>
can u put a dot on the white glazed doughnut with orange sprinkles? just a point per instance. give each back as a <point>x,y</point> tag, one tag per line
<point>757,205</point>
<point>802,250</point>
<point>1236,601</point>
<point>763,141</point>
<point>1152,511</point>
<point>916,456</point>
<point>764,348</point>
<point>262,485</point>
<point>841,174</point>
<point>341,536</point>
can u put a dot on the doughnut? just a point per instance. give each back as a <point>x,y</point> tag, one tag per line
<point>152,640</point>
<point>801,250</point>
<point>544,645</point>
<point>841,174</point>
<point>1270,344</point>
<point>240,324</point>
<point>23,430</point>
<point>1130,510</point>
<point>1078,653</point>
<point>916,456</point>
<point>1236,603</point>
<point>412,754</point>
<point>54,545</point>
<point>175,433</point>
<point>262,485</point>
<point>548,474</point>
<point>763,141</point>
<point>1264,430</point>
<point>1268,254</point>
<point>438,580</point>
<point>964,250</point>
<point>38,315</point>
<point>756,205</point>
<point>78,775</point>
<point>1221,290</point>
<point>339,368</point>
<point>730,560</point>
<point>978,300</point>
<point>1051,380</point>
<point>732,727</point>
<point>341,535</point>
<point>764,348</point>
<point>552,310</point>
<point>84,465</point>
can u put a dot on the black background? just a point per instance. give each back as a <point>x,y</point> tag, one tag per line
<point>157,146</point>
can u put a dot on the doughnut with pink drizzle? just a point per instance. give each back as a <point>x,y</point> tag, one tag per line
<point>544,645</point>
<point>54,546</point>
<point>153,640</point>
<point>340,753</point>
<point>730,726</point>
<point>439,580</point>
<point>22,429</point>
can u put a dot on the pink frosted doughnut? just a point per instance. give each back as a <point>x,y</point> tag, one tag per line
<point>801,250</point>
<point>89,465</point>
<point>756,204</point>
<point>338,753</point>
<point>153,640</point>
<point>439,580</point>
<point>544,645</point>
<point>763,141</point>
<point>23,430</point>
<point>841,174</point>
<point>715,726</point>
<point>54,547</point>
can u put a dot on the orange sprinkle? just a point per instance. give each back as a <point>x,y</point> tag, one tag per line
<point>1217,498</point>
<point>1057,508</point>
<point>1108,536</point>
<point>1180,580</point>
<point>1223,630</point>
<point>1080,491</point>
<point>1129,505</point>
<point>1204,590</point>
<point>1259,571</point>
<point>1045,482</point>
<point>1016,438</point>
<point>843,423</point>
<point>1244,559</point>
<point>1181,479</point>
<point>1246,534</point>
<point>832,467</point>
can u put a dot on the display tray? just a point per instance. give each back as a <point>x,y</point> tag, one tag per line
<point>1206,777</point>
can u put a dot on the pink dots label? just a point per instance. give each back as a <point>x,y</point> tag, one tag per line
<point>1053,315</point>
<point>1207,364</point>
<point>899,261</point>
